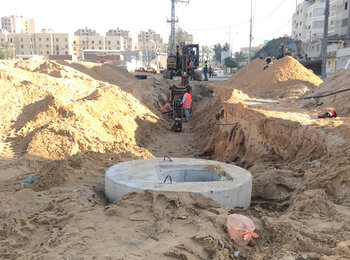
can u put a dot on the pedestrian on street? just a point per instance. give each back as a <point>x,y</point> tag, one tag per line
<point>210,72</point>
<point>205,70</point>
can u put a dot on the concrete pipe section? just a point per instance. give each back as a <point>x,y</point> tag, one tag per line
<point>227,184</point>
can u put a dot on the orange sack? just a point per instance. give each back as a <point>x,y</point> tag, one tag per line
<point>240,229</point>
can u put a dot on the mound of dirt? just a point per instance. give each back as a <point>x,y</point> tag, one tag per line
<point>338,101</point>
<point>285,78</point>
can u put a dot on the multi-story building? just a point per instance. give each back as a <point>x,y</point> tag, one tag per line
<point>308,26</point>
<point>44,44</point>
<point>122,33</point>
<point>114,43</point>
<point>87,39</point>
<point>17,24</point>
<point>149,36</point>
<point>150,41</point>
<point>308,20</point>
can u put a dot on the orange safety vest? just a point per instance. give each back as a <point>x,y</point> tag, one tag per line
<point>187,103</point>
<point>164,109</point>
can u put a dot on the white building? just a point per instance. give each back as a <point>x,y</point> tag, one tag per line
<point>17,24</point>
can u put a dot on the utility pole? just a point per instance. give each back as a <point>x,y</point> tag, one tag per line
<point>251,28</point>
<point>229,41</point>
<point>173,21</point>
<point>325,41</point>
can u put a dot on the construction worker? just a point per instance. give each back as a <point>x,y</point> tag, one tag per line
<point>205,70</point>
<point>186,104</point>
<point>168,110</point>
<point>191,70</point>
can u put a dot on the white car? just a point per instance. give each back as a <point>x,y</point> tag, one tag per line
<point>218,72</point>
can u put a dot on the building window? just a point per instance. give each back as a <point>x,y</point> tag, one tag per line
<point>56,39</point>
<point>21,39</point>
<point>100,48</point>
<point>319,12</point>
<point>39,39</point>
<point>66,39</point>
<point>346,6</point>
<point>66,52</point>
<point>118,42</point>
<point>47,52</point>
<point>317,24</point>
<point>66,46</point>
<point>74,42</point>
<point>92,42</point>
<point>344,22</point>
<point>47,46</point>
<point>75,48</point>
<point>47,39</point>
<point>92,48</point>
<point>22,46</point>
<point>41,53</point>
<point>109,43</point>
<point>99,42</point>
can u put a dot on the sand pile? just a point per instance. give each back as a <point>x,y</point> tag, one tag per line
<point>285,78</point>
<point>340,101</point>
<point>54,116</point>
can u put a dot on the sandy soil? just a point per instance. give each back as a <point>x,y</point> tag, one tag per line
<point>64,124</point>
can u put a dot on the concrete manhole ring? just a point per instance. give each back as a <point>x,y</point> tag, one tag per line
<point>225,183</point>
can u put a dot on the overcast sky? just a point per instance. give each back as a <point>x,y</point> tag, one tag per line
<point>208,21</point>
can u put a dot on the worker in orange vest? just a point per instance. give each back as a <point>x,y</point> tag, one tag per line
<point>186,104</point>
<point>168,110</point>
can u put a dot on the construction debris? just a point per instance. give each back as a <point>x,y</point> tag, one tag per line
<point>68,122</point>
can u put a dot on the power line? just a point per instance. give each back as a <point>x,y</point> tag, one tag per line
<point>281,27</point>
<point>263,19</point>
<point>237,24</point>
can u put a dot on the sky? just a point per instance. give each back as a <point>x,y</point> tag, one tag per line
<point>210,22</point>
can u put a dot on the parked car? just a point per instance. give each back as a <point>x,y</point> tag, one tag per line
<point>217,71</point>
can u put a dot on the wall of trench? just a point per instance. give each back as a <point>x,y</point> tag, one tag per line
<point>250,135</point>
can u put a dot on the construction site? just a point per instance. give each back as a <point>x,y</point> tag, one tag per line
<point>64,124</point>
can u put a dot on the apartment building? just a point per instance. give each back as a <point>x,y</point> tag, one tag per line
<point>17,24</point>
<point>114,43</point>
<point>308,25</point>
<point>151,41</point>
<point>44,44</point>
<point>308,20</point>
<point>87,39</point>
<point>149,36</point>
<point>122,33</point>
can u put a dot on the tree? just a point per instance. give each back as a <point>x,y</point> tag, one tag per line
<point>226,47</point>
<point>239,58</point>
<point>3,55</point>
<point>205,53</point>
<point>217,52</point>
<point>272,48</point>
<point>6,50</point>
<point>230,62</point>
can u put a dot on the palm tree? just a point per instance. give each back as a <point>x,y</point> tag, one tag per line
<point>239,58</point>
<point>217,52</point>
<point>205,53</point>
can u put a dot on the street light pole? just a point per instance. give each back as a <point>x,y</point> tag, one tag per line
<point>251,28</point>
<point>325,40</point>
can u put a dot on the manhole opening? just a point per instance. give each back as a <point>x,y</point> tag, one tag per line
<point>191,176</point>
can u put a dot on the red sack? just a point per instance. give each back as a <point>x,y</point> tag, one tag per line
<point>240,229</point>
